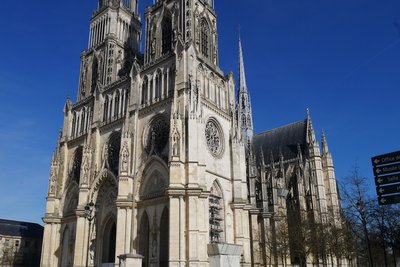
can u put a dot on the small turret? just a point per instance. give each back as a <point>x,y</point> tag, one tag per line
<point>325,149</point>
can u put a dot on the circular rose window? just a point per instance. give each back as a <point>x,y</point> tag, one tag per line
<point>214,138</point>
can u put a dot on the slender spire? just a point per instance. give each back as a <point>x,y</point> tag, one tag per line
<point>310,128</point>
<point>325,149</point>
<point>242,75</point>
<point>245,115</point>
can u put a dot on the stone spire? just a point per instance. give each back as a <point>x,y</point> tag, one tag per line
<point>245,116</point>
<point>242,74</point>
<point>325,149</point>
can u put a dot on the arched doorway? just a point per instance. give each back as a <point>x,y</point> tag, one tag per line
<point>108,244</point>
<point>164,238</point>
<point>144,239</point>
<point>103,234</point>
<point>153,230</point>
<point>65,249</point>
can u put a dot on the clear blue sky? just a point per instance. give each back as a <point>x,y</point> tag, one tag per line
<point>340,58</point>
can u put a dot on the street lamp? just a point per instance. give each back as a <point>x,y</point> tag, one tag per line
<point>89,215</point>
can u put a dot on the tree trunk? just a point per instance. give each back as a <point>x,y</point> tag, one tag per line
<point>394,256</point>
<point>385,255</point>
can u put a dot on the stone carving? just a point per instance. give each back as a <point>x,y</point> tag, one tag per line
<point>175,142</point>
<point>153,46</point>
<point>194,95</point>
<point>119,60</point>
<point>213,138</point>
<point>157,137</point>
<point>92,247</point>
<point>125,158</point>
<point>105,155</point>
<point>154,185</point>
<point>85,169</point>
<point>115,3</point>
<point>84,77</point>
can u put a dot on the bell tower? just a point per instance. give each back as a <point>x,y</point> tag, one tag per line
<point>114,42</point>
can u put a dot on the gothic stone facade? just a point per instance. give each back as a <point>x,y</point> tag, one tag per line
<point>164,150</point>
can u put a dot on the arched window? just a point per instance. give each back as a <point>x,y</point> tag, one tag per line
<point>116,105</point>
<point>171,78</point>
<point>216,212</point>
<point>95,73</point>
<point>151,89</point>
<point>166,35</point>
<point>165,83</point>
<point>83,119</point>
<point>158,84</point>
<point>73,124</point>
<point>204,39</point>
<point>243,102</point>
<point>244,120</point>
<point>249,120</point>
<point>145,86</point>
<point>105,109</point>
<point>114,146</point>
<point>75,172</point>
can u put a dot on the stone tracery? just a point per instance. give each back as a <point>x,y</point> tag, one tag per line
<point>213,138</point>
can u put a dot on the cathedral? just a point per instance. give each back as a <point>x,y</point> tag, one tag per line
<point>157,163</point>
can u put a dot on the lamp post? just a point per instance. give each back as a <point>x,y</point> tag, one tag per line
<point>89,215</point>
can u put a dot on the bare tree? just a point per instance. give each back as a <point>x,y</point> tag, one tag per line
<point>358,207</point>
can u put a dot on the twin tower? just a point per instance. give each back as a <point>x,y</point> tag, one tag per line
<point>156,163</point>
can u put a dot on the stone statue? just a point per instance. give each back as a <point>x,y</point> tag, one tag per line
<point>125,158</point>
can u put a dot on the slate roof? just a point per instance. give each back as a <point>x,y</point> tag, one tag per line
<point>281,140</point>
<point>22,229</point>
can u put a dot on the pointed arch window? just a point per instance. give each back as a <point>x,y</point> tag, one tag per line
<point>73,124</point>
<point>244,123</point>
<point>116,104</point>
<point>144,90</point>
<point>113,147</point>
<point>158,84</point>
<point>105,109</point>
<point>166,35</point>
<point>75,171</point>
<point>204,39</point>
<point>216,214</point>
<point>83,119</point>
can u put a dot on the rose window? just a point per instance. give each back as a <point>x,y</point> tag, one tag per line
<point>213,138</point>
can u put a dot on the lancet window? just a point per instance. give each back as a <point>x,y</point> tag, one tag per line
<point>75,171</point>
<point>158,84</point>
<point>216,214</point>
<point>113,147</point>
<point>144,90</point>
<point>73,124</point>
<point>116,104</point>
<point>204,39</point>
<point>166,35</point>
<point>105,109</point>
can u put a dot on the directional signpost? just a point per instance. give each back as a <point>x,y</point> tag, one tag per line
<point>387,177</point>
